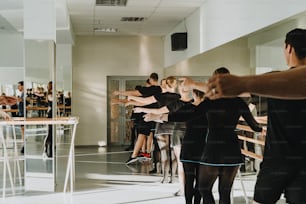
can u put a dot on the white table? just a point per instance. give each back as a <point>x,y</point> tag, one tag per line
<point>73,121</point>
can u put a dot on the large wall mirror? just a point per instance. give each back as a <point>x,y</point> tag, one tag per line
<point>39,72</point>
<point>64,79</point>
<point>11,62</point>
<point>47,87</point>
<point>39,103</point>
<point>36,63</point>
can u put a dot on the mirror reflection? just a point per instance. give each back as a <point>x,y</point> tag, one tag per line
<point>38,66</point>
<point>39,63</point>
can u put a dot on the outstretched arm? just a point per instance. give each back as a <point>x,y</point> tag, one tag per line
<point>182,115</point>
<point>127,93</point>
<point>134,103</point>
<point>4,115</point>
<point>156,111</point>
<point>143,100</point>
<point>125,102</point>
<point>119,101</point>
<point>155,117</point>
<point>289,84</point>
<point>248,117</point>
<point>8,100</point>
<point>188,83</point>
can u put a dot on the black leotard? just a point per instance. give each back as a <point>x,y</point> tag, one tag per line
<point>222,145</point>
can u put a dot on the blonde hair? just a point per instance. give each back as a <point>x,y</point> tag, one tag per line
<point>171,81</point>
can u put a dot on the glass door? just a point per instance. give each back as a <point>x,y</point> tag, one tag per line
<point>118,123</point>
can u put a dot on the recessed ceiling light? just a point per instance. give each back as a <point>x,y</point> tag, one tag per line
<point>111,2</point>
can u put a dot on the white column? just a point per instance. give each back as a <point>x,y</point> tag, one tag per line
<point>40,20</point>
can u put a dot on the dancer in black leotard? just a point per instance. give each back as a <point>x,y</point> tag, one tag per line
<point>192,147</point>
<point>193,143</point>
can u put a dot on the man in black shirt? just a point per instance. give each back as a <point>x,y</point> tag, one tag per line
<point>283,169</point>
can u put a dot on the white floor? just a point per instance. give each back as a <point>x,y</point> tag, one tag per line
<point>103,177</point>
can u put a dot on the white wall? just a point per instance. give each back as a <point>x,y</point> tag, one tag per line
<point>221,21</point>
<point>234,55</point>
<point>95,58</point>
<point>270,56</point>
<point>39,19</point>
<point>191,26</point>
<point>12,59</point>
<point>227,20</point>
<point>267,46</point>
<point>11,75</point>
<point>39,60</point>
<point>11,50</point>
<point>64,66</point>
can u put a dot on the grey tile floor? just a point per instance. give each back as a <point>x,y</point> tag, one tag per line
<point>103,178</point>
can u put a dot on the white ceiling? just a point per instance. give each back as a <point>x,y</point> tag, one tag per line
<point>161,16</point>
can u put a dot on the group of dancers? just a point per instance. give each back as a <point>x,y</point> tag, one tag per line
<point>202,130</point>
<point>210,148</point>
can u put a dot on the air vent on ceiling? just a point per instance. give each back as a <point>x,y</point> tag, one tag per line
<point>133,19</point>
<point>111,2</point>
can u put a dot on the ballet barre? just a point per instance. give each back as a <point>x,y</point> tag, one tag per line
<point>257,139</point>
<point>73,121</point>
<point>61,108</point>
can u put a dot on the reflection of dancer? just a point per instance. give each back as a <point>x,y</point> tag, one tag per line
<point>21,107</point>
<point>49,139</point>
<point>132,125</point>
<point>4,115</point>
<point>8,100</point>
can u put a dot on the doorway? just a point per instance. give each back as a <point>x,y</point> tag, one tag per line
<point>118,116</point>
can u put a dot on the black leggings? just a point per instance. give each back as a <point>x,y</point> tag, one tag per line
<point>191,171</point>
<point>156,152</point>
<point>207,178</point>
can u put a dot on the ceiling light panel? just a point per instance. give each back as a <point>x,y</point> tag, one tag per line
<point>182,3</point>
<point>111,2</point>
<point>133,19</point>
<point>143,3</point>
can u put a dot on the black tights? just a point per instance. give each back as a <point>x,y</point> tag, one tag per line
<point>192,192</point>
<point>48,142</point>
<point>207,178</point>
<point>156,153</point>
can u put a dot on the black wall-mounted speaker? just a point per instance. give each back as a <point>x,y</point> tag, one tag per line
<point>178,41</point>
